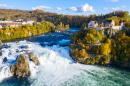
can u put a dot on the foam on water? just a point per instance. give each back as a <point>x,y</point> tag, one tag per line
<point>63,41</point>
<point>56,67</point>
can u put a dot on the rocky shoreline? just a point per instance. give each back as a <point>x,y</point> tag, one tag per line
<point>95,60</point>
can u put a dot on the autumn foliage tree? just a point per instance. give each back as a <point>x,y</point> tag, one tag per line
<point>26,30</point>
<point>121,50</point>
<point>105,49</point>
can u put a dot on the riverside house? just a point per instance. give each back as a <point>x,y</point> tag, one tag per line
<point>16,23</point>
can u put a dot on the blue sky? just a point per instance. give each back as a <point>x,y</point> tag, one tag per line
<point>70,7</point>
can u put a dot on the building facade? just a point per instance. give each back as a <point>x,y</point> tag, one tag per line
<point>106,24</point>
<point>93,24</point>
<point>16,23</point>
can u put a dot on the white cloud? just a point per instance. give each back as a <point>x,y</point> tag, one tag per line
<point>123,6</point>
<point>105,8</point>
<point>58,9</point>
<point>114,0</point>
<point>4,6</point>
<point>117,8</point>
<point>41,7</point>
<point>72,9</point>
<point>85,8</point>
<point>82,8</point>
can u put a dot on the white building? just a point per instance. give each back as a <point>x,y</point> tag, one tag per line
<point>106,24</point>
<point>28,22</point>
<point>16,23</point>
<point>93,24</point>
<point>9,23</point>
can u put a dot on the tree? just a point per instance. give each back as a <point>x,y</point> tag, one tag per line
<point>61,24</point>
<point>101,25</point>
<point>108,41</point>
<point>83,53</point>
<point>6,29</point>
<point>127,24</point>
<point>105,49</point>
<point>0,42</point>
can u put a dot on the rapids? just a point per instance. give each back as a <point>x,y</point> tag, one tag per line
<point>56,67</point>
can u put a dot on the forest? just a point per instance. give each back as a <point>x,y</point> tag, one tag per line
<point>72,20</point>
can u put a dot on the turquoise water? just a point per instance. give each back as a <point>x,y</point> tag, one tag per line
<point>56,67</point>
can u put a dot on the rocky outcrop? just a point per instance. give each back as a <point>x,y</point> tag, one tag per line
<point>0,53</point>
<point>22,66</point>
<point>31,55</point>
<point>13,69</point>
<point>21,69</point>
<point>5,60</point>
<point>17,41</point>
<point>34,59</point>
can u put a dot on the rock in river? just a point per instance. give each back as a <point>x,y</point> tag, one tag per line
<point>0,53</point>
<point>13,69</point>
<point>31,55</point>
<point>22,67</point>
<point>34,59</point>
<point>5,59</point>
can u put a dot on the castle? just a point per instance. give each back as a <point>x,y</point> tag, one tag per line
<point>105,24</point>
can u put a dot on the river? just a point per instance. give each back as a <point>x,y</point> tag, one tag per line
<point>56,67</point>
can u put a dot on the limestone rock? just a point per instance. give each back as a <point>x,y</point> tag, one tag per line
<point>22,66</point>
<point>17,41</point>
<point>31,55</point>
<point>13,69</point>
<point>0,53</point>
<point>35,60</point>
<point>5,59</point>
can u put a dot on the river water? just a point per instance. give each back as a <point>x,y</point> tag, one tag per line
<point>56,67</point>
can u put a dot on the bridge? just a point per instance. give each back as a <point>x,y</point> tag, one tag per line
<point>64,32</point>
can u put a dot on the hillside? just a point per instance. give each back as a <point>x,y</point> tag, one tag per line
<point>72,20</point>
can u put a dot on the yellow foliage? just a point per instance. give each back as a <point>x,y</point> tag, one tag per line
<point>83,46</point>
<point>105,49</point>
<point>108,41</point>
<point>87,47</point>
<point>101,25</point>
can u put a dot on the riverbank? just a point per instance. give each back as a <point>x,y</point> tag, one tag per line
<point>24,38</point>
<point>91,47</point>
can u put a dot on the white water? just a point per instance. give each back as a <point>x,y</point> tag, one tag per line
<point>56,67</point>
<point>63,41</point>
